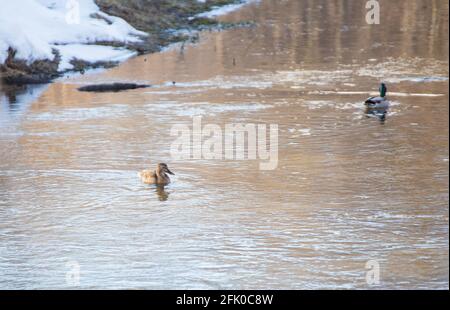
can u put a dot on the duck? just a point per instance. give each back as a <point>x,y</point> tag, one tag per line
<point>379,102</point>
<point>158,176</point>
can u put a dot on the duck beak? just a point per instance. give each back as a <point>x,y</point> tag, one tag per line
<point>170,172</point>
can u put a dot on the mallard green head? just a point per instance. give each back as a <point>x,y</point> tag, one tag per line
<point>383,90</point>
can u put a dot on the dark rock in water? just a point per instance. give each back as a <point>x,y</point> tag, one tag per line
<point>113,87</point>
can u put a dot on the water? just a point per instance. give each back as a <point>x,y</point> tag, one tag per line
<point>349,187</point>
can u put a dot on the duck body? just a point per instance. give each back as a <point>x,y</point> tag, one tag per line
<point>379,102</point>
<point>158,176</point>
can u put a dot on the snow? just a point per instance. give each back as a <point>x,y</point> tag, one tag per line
<point>91,53</point>
<point>35,27</point>
<point>223,10</point>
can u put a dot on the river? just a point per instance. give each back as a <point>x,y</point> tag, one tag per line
<point>351,192</point>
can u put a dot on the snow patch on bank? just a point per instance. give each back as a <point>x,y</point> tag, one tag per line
<point>91,53</point>
<point>35,27</point>
<point>223,10</point>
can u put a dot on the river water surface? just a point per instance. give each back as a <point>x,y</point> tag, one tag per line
<point>349,187</point>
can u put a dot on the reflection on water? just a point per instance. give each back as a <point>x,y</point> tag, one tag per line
<point>15,99</point>
<point>347,189</point>
<point>380,114</point>
<point>163,195</point>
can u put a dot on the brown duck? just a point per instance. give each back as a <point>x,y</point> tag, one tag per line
<point>158,176</point>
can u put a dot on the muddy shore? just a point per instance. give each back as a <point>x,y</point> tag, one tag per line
<point>160,19</point>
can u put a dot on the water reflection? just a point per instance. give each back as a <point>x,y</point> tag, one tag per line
<point>380,114</point>
<point>162,194</point>
<point>11,93</point>
<point>15,98</point>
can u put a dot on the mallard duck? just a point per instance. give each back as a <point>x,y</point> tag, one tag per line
<point>158,176</point>
<point>378,102</point>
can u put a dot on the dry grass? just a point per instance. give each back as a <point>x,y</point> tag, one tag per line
<point>157,16</point>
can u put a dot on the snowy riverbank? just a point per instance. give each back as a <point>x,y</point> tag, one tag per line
<point>59,32</point>
<point>40,39</point>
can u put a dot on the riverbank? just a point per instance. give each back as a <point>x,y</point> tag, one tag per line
<point>127,28</point>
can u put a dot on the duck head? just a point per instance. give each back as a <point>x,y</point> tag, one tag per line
<point>383,90</point>
<point>162,170</point>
